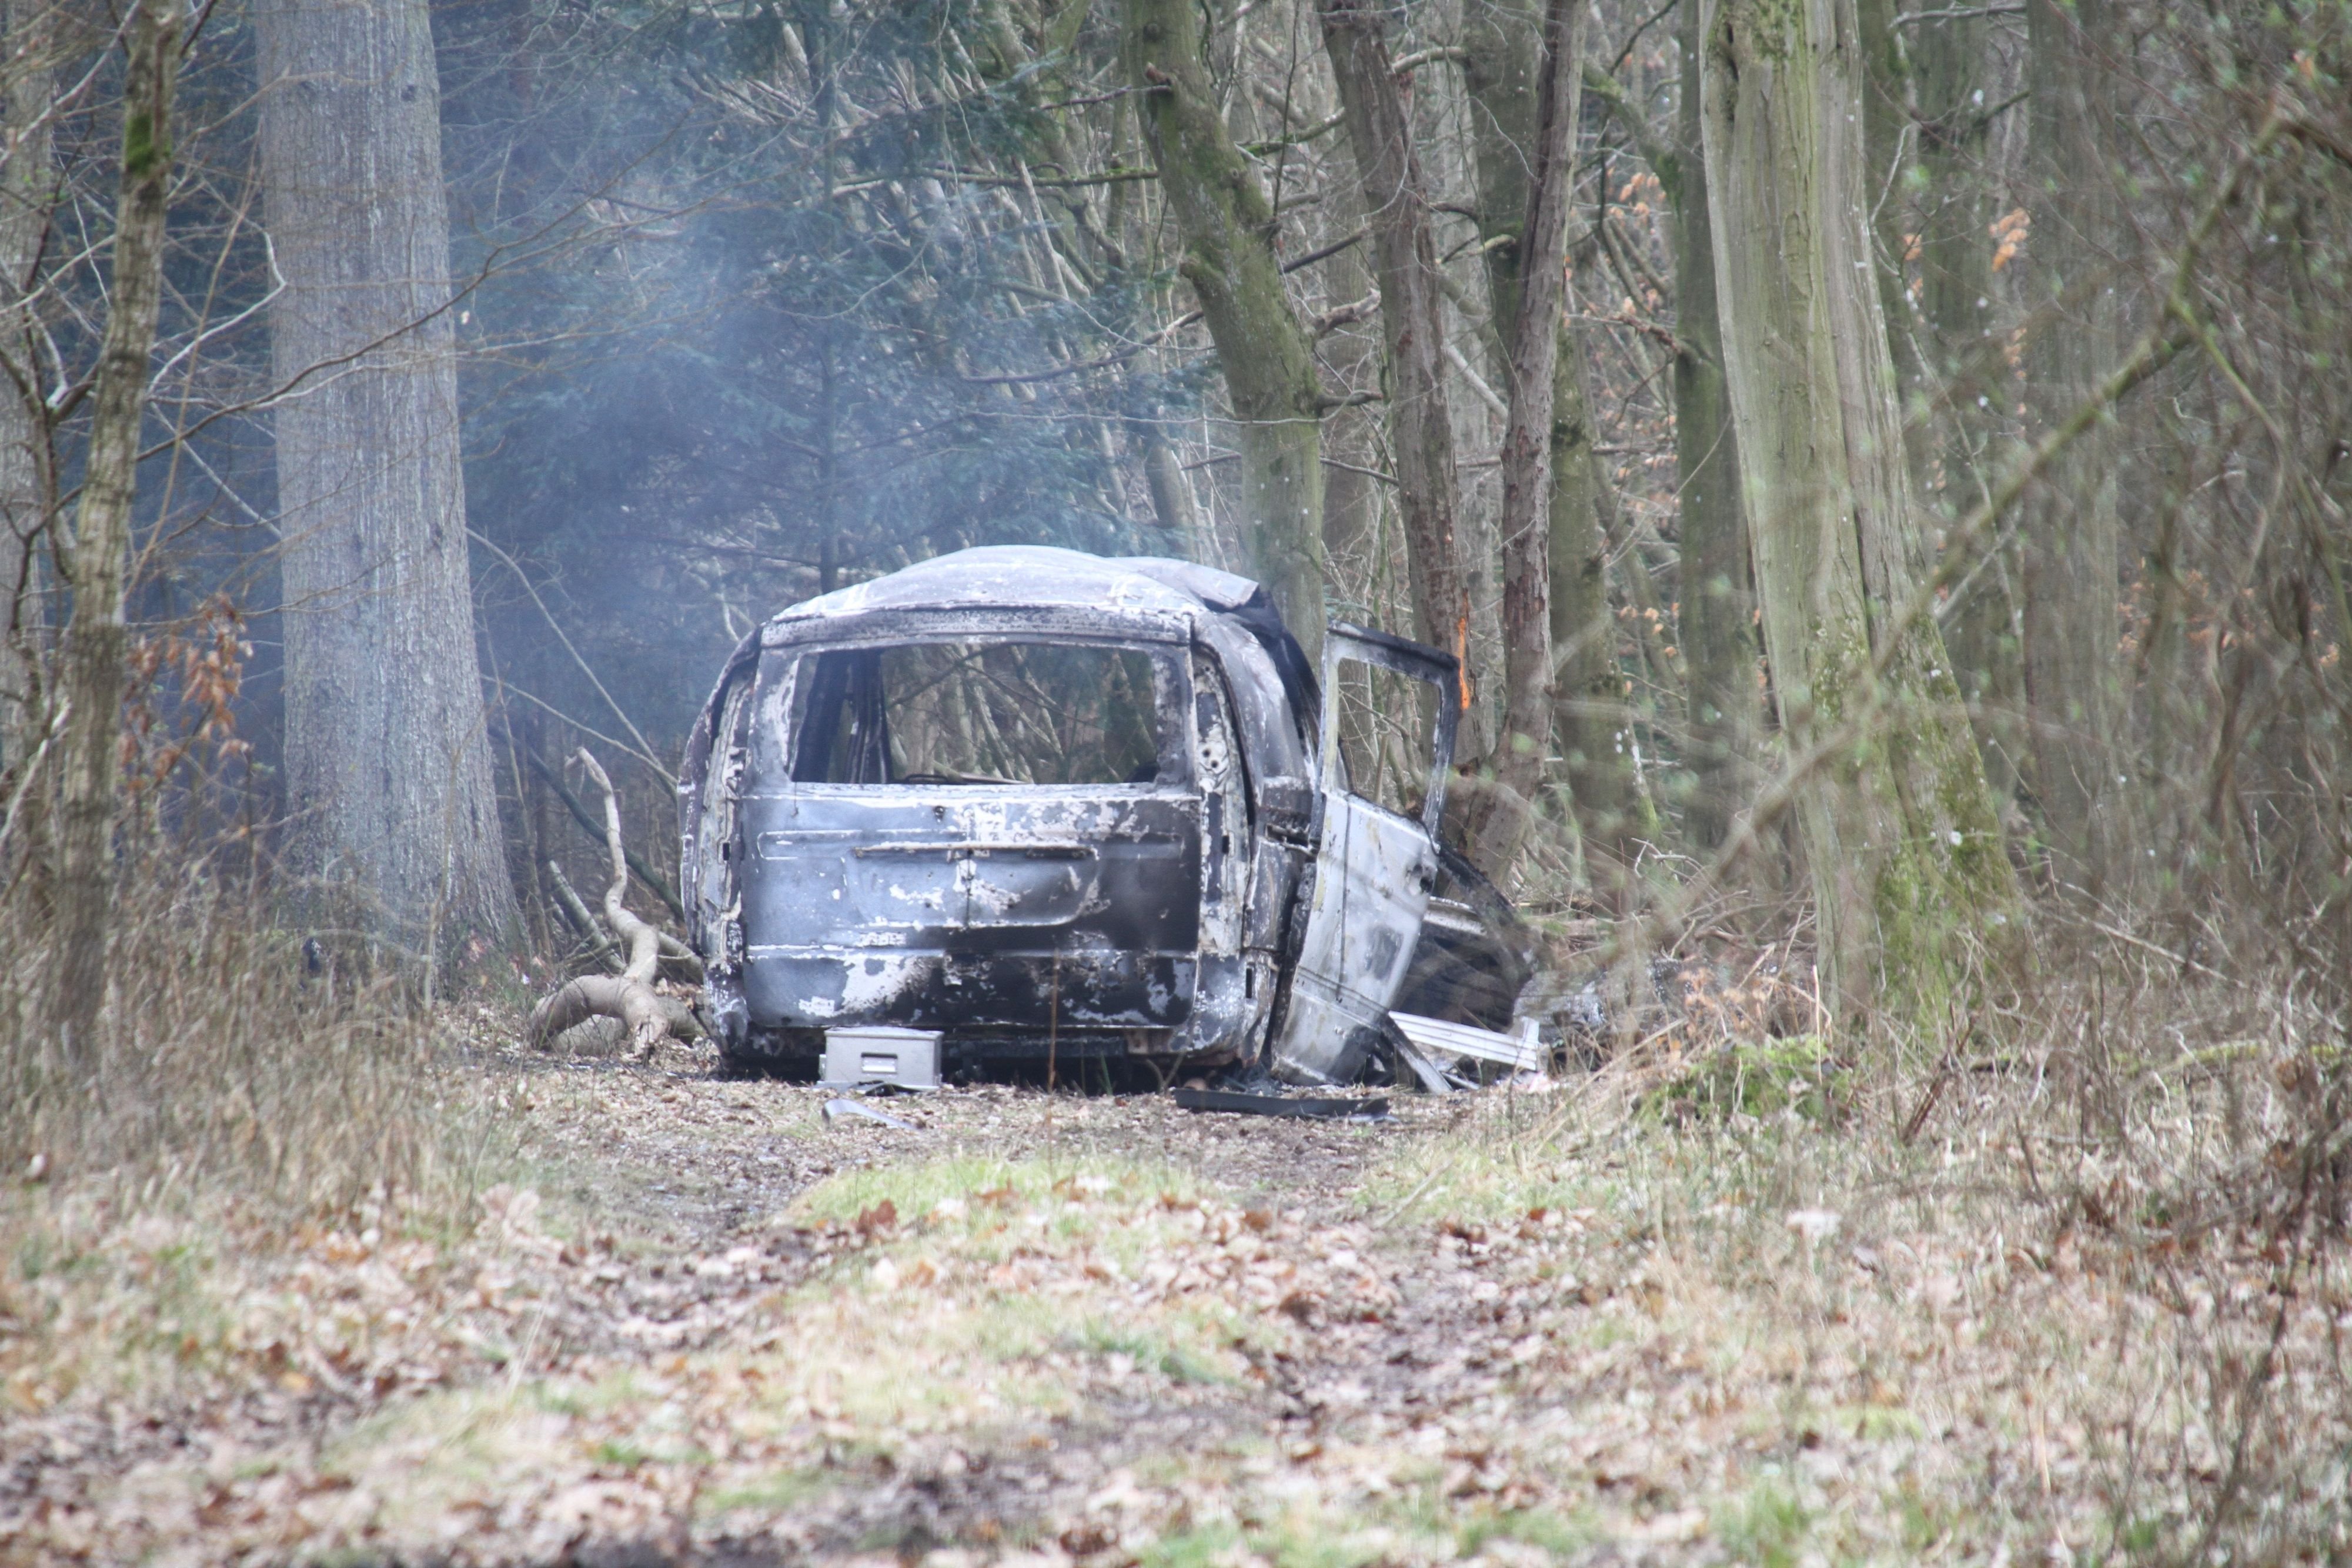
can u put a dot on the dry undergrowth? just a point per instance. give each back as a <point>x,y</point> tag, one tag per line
<point>354,1289</point>
<point>1618,1319</point>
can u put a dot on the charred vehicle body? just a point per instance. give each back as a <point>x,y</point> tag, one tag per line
<point>1045,803</point>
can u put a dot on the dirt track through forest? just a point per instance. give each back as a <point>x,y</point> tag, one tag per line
<point>691,1321</point>
<point>658,1262</point>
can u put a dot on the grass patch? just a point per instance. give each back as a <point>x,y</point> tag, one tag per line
<point>1156,1351</point>
<point>984,1183</point>
<point>779,1491</point>
<point>1768,1527</point>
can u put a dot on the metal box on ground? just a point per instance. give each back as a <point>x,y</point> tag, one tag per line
<point>908,1058</point>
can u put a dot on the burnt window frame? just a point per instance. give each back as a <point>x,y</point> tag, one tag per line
<point>780,705</point>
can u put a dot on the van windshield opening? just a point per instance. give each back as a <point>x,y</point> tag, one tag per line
<point>979,713</point>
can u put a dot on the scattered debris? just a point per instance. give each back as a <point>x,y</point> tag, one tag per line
<point>836,1110</point>
<point>1372,1110</point>
<point>1432,1078</point>
<point>898,1058</point>
<point>1519,1050</point>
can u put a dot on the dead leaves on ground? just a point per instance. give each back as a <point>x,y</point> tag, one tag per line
<point>1420,1348</point>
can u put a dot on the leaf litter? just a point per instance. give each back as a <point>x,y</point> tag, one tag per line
<point>699,1324</point>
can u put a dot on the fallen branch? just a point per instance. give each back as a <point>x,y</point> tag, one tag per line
<point>654,880</point>
<point>628,996</point>
<point>574,910</point>
<point>679,960</point>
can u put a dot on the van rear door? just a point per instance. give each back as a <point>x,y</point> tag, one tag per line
<point>984,833</point>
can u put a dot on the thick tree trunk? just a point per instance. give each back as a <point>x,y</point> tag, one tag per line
<point>386,755</point>
<point>1228,226</point>
<point>90,682</point>
<point>25,196</point>
<point>1718,599</point>
<point>1524,70</point>
<point>2069,543</point>
<point>1886,150</point>
<point>1404,264</point>
<point>1534,344</point>
<point>1591,716</point>
<point>1956,288</point>
<point>1898,829</point>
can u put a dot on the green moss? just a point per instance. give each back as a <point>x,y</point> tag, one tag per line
<point>1911,796</point>
<point>143,150</point>
<point>1763,1077</point>
<point>1158,1351</point>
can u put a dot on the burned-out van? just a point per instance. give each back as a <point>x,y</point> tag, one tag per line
<point>1038,802</point>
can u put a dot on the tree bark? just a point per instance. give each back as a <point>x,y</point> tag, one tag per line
<point>1717,616</point>
<point>386,751</point>
<point>1171,493</point>
<point>1525,70</point>
<point>2069,541</point>
<point>1404,264</point>
<point>1898,829</point>
<point>1590,715</point>
<point>1885,120</point>
<point>26,198</point>
<point>90,681</point>
<point>1956,290</point>
<point>1718,598</point>
<point>1227,226</point>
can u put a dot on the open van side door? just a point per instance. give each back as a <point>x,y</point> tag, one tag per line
<point>1374,865</point>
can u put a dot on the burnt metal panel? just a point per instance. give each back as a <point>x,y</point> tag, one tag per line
<point>1184,914</point>
<point>930,905</point>
<point>1374,873</point>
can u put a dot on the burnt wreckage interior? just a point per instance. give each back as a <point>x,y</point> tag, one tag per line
<point>1042,802</point>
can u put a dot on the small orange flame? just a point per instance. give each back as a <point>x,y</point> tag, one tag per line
<point>1462,658</point>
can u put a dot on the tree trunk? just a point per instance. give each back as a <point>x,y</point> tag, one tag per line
<point>1357,560</point>
<point>1962,369</point>
<point>1172,495</point>
<point>90,683</point>
<point>2069,543</point>
<point>1525,70</point>
<point>1897,828</point>
<point>26,198</point>
<point>1228,228</point>
<point>386,752</point>
<point>1886,118</point>
<point>1404,264</point>
<point>1718,601</point>
<point>1591,719</point>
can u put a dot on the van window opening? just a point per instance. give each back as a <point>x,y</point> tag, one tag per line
<point>979,713</point>
<point>1387,729</point>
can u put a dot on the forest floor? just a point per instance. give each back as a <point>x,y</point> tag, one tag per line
<point>697,1321</point>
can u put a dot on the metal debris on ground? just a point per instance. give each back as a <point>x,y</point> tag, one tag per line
<point>835,1110</point>
<point>1433,1079</point>
<point>1520,1050</point>
<point>1241,1105</point>
<point>897,1058</point>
